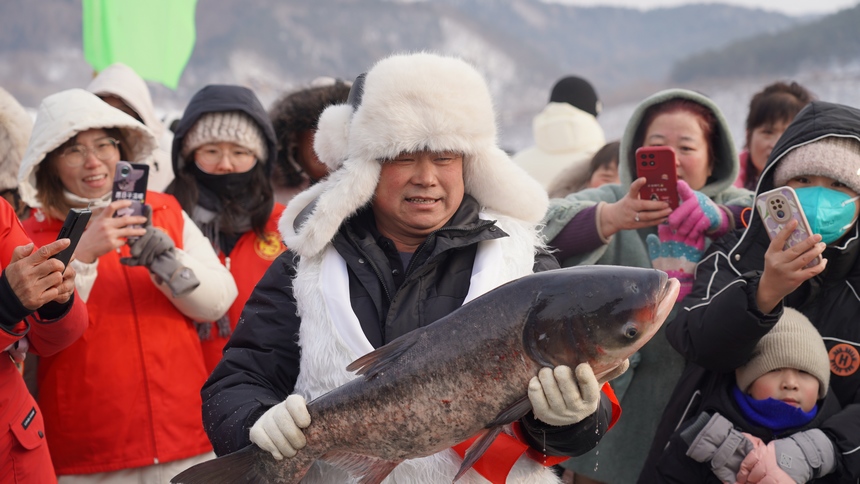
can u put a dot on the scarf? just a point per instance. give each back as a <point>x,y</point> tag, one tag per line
<point>223,199</point>
<point>90,203</point>
<point>772,414</point>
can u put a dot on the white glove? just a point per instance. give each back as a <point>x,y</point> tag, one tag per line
<point>559,399</point>
<point>279,429</point>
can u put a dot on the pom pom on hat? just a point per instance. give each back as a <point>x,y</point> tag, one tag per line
<point>792,343</point>
<point>833,157</point>
<point>231,126</point>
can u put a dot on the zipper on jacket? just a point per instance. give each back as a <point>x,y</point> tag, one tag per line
<point>421,247</point>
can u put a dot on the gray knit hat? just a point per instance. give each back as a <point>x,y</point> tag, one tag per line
<point>833,157</point>
<point>792,343</point>
<point>231,126</point>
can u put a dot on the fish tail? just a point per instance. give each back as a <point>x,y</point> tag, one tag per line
<point>240,466</point>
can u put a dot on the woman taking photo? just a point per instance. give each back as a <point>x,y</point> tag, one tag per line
<point>611,225</point>
<point>223,153</point>
<point>123,401</point>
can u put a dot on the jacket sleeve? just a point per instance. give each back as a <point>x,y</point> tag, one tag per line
<point>260,363</point>
<point>843,429</point>
<point>570,440</point>
<point>217,289</point>
<point>718,324</point>
<point>48,336</point>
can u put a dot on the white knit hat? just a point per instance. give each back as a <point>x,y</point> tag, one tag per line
<point>408,103</point>
<point>232,126</point>
<point>792,343</point>
<point>834,157</point>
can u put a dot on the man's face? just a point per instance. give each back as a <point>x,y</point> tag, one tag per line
<point>417,193</point>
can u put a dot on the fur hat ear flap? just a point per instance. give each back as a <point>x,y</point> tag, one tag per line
<point>502,186</point>
<point>331,141</point>
<point>334,199</point>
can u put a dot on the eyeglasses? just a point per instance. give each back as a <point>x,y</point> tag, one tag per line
<point>76,155</point>
<point>210,156</point>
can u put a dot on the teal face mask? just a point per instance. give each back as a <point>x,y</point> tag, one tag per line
<point>830,213</point>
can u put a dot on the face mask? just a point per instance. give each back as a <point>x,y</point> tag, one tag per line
<point>830,213</point>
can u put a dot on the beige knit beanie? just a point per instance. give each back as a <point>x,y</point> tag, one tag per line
<point>231,126</point>
<point>833,157</point>
<point>792,343</point>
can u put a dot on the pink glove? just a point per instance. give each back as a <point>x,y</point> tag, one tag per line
<point>676,255</point>
<point>760,465</point>
<point>696,217</point>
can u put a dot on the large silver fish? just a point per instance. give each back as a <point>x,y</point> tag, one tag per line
<point>465,374</point>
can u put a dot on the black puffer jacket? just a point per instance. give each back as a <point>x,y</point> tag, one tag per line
<point>674,467</point>
<point>261,361</point>
<point>719,324</point>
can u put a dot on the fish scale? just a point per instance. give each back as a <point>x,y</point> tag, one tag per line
<point>466,373</point>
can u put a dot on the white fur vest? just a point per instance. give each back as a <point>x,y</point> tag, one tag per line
<point>331,337</point>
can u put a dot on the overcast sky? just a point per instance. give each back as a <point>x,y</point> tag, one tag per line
<point>790,7</point>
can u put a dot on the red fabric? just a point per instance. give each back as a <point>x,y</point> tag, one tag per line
<point>499,459</point>
<point>24,454</point>
<point>616,407</point>
<point>249,260</point>
<point>127,393</point>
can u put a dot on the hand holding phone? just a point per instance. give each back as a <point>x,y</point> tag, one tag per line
<point>657,165</point>
<point>73,227</point>
<point>779,206</point>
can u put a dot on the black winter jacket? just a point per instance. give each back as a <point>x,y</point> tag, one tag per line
<point>719,323</point>
<point>261,361</point>
<point>676,468</point>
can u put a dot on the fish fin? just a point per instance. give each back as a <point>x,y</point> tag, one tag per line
<point>240,466</point>
<point>367,469</point>
<point>516,411</point>
<point>477,449</point>
<point>376,361</point>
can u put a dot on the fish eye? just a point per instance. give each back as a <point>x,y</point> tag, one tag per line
<point>630,330</point>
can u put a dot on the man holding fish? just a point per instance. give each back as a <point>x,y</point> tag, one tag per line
<point>421,213</point>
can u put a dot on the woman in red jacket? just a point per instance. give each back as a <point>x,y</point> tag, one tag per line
<point>223,152</point>
<point>121,404</point>
<point>38,313</point>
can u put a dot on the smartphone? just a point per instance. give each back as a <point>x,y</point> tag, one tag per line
<point>657,165</point>
<point>779,206</point>
<point>129,183</point>
<point>73,227</point>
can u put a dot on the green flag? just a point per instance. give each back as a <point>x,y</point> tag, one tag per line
<point>153,37</point>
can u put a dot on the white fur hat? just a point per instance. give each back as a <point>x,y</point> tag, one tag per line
<point>15,129</point>
<point>408,103</point>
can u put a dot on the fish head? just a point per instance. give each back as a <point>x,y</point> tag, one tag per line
<point>596,314</point>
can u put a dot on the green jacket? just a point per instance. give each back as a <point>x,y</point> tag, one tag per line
<point>628,247</point>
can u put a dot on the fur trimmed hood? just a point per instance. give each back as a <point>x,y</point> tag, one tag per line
<point>67,113</point>
<point>15,129</point>
<point>408,103</point>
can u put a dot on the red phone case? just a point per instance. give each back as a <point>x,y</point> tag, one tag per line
<point>779,206</point>
<point>657,165</point>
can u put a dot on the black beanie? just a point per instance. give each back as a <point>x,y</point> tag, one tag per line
<point>577,92</point>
